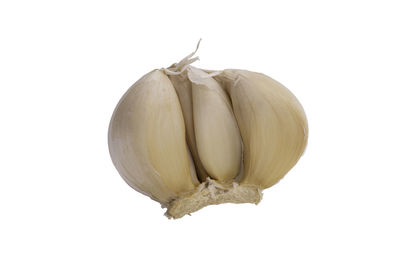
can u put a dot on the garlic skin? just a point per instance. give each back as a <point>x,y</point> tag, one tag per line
<point>189,138</point>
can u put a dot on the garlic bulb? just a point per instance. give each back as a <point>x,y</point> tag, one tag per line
<point>189,138</point>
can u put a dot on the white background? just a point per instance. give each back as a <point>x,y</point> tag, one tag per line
<point>65,64</point>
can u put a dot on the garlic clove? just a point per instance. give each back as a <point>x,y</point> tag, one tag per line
<point>217,134</point>
<point>183,88</point>
<point>272,124</point>
<point>147,140</point>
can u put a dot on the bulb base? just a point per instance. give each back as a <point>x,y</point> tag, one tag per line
<point>211,192</point>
